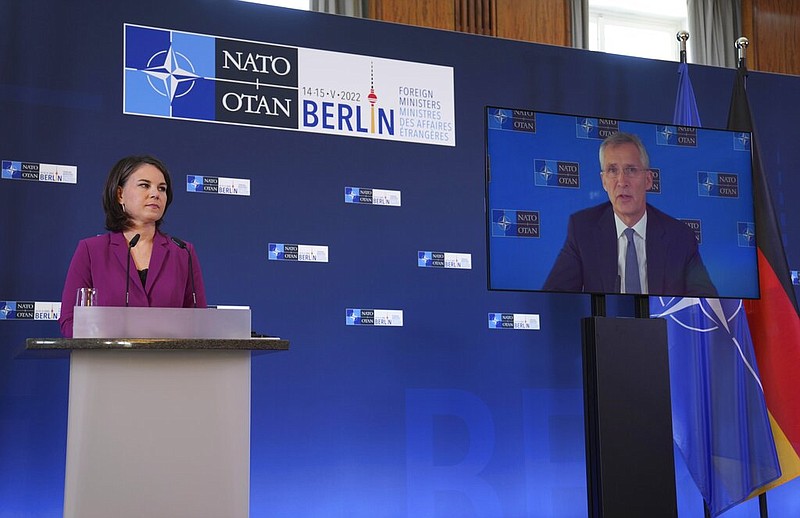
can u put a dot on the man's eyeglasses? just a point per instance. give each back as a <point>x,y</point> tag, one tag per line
<point>628,172</point>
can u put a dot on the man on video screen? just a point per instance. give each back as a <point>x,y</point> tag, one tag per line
<point>626,245</point>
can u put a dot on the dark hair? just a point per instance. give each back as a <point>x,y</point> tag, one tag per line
<point>116,218</point>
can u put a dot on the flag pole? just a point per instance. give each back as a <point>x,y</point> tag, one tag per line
<point>682,37</point>
<point>741,45</point>
<point>741,50</point>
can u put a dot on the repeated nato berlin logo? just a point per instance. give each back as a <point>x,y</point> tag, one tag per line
<point>746,232</point>
<point>676,136</point>
<point>717,185</point>
<point>515,223</point>
<point>369,196</point>
<point>595,128</point>
<point>15,170</point>
<point>430,259</point>
<point>218,185</point>
<point>374,317</point>
<point>514,321</point>
<point>295,252</point>
<point>29,310</point>
<point>556,173</point>
<point>512,120</point>
<point>205,78</point>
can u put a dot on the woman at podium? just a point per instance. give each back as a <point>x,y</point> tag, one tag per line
<point>134,264</point>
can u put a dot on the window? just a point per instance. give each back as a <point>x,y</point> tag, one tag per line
<point>304,5</point>
<point>640,28</point>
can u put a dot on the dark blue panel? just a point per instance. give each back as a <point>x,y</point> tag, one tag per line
<point>442,416</point>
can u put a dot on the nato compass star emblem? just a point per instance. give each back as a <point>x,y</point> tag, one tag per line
<point>504,222</point>
<point>667,133</point>
<point>194,183</point>
<point>546,173</point>
<point>708,184</point>
<point>748,235</point>
<point>587,125</point>
<point>713,315</point>
<point>744,140</point>
<point>170,73</point>
<point>9,171</point>
<point>5,310</point>
<point>500,116</point>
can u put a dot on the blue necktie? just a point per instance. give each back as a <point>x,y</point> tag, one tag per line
<point>632,283</point>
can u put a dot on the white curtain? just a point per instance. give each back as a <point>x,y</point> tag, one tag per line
<point>580,23</point>
<point>356,8</point>
<point>714,26</point>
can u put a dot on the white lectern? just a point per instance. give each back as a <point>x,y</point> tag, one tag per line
<point>159,425</point>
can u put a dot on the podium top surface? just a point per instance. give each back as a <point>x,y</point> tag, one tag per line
<point>143,344</point>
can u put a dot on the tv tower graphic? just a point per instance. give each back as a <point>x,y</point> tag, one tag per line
<point>372,98</point>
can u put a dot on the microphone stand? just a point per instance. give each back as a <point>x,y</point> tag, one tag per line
<point>181,244</point>
<point>134,240</point>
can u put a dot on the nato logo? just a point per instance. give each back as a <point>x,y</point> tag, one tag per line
<point>351,195</point>
<point>676,136</point>
<point>283,252</point>
<point>357,195</point>
<point>746,233</point>
<point>795,277</point>
<point>697,226</point>
<point>501,321</point>
<point>695,315</point>
<point>8,309</point>
<point>513,120</point>
<point>556,173</point>
<point>195,183</point>
<point>11,310</point>
<point>360,317</point>
<point>430,259</point>
<point>13,170</point>
<point>656,187</point>
<point>594,128</point>
<point>203,78</point>
<point>717,185</point>
<point>515,223</point>
<point>742,141</point>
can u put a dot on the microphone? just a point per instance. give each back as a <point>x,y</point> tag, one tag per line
<point>181,244</point>
<point>134,240</point>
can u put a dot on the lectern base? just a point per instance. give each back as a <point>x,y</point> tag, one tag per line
<point>629,456</point>
<point>160,433</point>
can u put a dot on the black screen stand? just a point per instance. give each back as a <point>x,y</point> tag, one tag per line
<point>630,467</point>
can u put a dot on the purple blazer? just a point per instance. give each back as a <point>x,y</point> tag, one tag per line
<point>100,262</point>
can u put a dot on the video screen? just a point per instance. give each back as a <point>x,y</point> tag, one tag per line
<point>556,223</point>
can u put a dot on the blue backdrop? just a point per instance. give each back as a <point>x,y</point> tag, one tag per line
<point>440,417</point>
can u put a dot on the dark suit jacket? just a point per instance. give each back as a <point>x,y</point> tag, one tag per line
<point>100,262</point>
<point>588,260</point>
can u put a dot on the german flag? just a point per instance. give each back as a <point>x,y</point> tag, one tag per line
<point>773,319</point>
